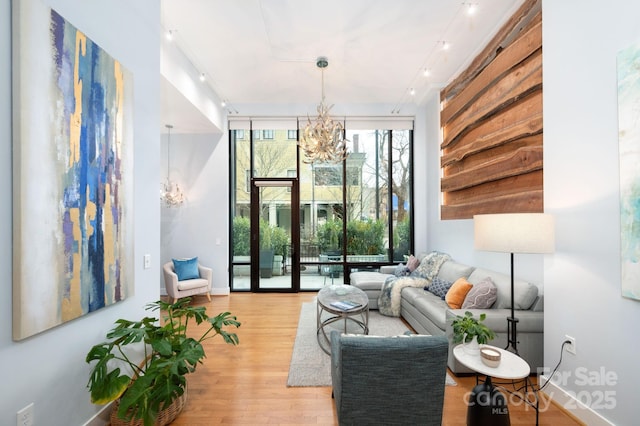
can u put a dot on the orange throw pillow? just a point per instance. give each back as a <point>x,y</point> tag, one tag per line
<point>457,293</point>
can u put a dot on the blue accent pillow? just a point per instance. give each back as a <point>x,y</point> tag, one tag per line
<point>439,287</point>
<point>401,271</point>
<point>186,269</point>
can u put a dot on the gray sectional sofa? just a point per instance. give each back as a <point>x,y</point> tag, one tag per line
<point>429,314</point>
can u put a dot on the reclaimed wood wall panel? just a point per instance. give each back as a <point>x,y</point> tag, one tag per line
<point>491,118</point>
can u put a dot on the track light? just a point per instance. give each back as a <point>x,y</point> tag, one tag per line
<point>202,77</point>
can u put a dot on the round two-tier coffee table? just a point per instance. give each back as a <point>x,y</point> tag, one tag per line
<point>343,303</point>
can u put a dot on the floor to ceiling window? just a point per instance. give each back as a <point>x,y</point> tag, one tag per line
<point>379,191</point>
<point>352,215</point>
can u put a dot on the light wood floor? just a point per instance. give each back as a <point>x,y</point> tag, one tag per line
<point>246,384</point>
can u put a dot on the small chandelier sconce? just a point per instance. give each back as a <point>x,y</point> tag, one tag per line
<point>170,194</point>
<point>323,141</point>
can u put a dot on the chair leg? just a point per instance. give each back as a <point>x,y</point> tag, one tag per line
<point>175,300</point>
<point>209,296</point>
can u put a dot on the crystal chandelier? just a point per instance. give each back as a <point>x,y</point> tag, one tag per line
<point>323,141</point>
<point>170,192</point>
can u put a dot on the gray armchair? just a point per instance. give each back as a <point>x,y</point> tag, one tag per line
<point>388,380</point>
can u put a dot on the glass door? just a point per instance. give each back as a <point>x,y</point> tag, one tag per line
<point>275,235</point>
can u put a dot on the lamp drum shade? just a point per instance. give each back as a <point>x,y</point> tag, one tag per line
<point>514,232</point>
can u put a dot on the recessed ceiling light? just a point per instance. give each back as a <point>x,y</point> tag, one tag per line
<point>471,8</point>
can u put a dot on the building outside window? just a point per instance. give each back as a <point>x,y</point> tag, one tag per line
<point>371,191</point>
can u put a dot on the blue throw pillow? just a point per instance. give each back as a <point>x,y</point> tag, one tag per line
<point>401,271</point>
<point>186,269</point>
<point>439,287</point>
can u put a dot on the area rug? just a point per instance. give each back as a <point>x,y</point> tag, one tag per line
<point>311,366</point>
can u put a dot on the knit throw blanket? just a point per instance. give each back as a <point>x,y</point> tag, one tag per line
<point>389,299</point>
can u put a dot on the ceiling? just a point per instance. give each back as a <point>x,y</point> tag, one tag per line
<point>264,51</point>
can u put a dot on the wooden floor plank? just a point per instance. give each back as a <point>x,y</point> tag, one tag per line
<point>247,384</point>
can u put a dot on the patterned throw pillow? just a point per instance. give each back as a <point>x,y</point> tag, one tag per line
<point>430,265</point>
<point>482,296</point>
<point>401,271</point>
<point>439,287</point>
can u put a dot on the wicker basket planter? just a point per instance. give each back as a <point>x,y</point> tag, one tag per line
<point>165,416</point>
<point>170,355</point>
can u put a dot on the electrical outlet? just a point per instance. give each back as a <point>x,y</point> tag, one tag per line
<point>24,417</point>
<point>147,261</point>
<point>571,347</point>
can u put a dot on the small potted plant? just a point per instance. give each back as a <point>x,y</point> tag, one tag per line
<point>266,250</point>
<point>148,392</point>
<point>471,331</point>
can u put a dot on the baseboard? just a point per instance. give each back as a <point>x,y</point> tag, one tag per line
<point>101,418</point>
<point>571,404</point>
<point>216,291</point>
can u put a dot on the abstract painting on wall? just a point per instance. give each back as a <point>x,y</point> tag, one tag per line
<point>73,173</point>
<point>629,142</point>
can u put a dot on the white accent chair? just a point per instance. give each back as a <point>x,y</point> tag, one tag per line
<point>177,289</point>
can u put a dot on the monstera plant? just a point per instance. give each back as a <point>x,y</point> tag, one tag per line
<point>143,390</point>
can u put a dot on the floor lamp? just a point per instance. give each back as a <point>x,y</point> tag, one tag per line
<point>514,233</point>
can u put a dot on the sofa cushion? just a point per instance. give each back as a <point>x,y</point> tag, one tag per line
<point>192,283</point>
<point>366,280</point>
<point>524,293</point>
<point>452,270</point>
<point>457,293</point>
<point>481,296</point>
<point>428,304</point>
<point>385,269</point>
<point>439,287</point>
<point>538,305</point>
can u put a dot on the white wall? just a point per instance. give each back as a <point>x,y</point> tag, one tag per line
<point>187,103</point>
<point>581,280</point>
<point>200,227</point>
<point>49,369</point>
<point>581,40</point>
<point>422,126</point>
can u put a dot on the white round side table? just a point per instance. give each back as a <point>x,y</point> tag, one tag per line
<point>487,406</point>
<point>511,367</point>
